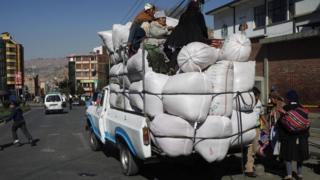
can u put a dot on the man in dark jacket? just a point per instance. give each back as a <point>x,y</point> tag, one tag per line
<point>18,122</point>
<point>191,28</point>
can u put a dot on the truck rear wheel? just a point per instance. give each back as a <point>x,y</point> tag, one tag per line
<point>95,144</point>
<point>129,164</point>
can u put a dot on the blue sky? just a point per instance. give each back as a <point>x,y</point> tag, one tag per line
<point>57,28</point>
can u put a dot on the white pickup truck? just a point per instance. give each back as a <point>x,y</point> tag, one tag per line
<point>128,130</point>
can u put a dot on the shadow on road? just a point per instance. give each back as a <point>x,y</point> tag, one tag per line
<point>7,145</point>
<point>195,167</point>
<point>314,166</point>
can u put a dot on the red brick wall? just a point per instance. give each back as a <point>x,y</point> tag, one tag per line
<point>292,65</point>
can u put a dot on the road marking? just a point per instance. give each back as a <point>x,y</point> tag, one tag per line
<point>45,126</point>
<point>28,112</point>
<point>54,134</point>
<point>82,139</point>
<point>48,150</point>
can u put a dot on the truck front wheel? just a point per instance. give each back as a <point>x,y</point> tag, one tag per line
<point>129,164</point>
<point>95,144</point>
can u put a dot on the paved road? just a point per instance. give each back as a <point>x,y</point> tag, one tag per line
<point>62,152</point>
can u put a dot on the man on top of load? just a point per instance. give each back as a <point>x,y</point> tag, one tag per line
<point>158,33</point>
<point>136,31</point>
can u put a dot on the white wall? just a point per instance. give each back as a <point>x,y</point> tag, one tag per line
<point>245,13</point>
<point>306,7</point>
<point>225,17</point>
<point>280,29</point>
<point>100,49</point>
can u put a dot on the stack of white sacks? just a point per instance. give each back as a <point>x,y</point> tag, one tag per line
<point>196,109</point>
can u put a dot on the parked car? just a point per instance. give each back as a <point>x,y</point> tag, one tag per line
<point>53,103</point>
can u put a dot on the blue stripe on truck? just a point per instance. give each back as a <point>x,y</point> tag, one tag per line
<point>118,131</point>
<point>124,135</point>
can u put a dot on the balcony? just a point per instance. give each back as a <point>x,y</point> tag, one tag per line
<point>82,62</point>
<point>11,45</point>
<point>11,53</point>
<point>87,89</point>
<point>82,70</point>
<point>11,82</point>
<point>82,78</point>
<point>11,75</point>
<point>11,68</point>
<point>11,60</point>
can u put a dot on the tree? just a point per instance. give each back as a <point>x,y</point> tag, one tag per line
<point>80,90</point>
<point>64,86</point>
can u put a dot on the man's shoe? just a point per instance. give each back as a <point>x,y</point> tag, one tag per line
<point>250,174</point>
<point>16,141</point>
<point>288,178</point>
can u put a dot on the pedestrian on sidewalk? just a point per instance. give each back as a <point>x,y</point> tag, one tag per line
<point>18,122</point>
<point>294,145</point>
<point>70,102</point>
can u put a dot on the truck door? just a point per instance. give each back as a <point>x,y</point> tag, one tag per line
<point>103,114</point>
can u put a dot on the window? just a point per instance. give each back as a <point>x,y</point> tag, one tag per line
<point>277,11</point>
<point>224,31</point>
<point>291,8</point>
<point>53,98</point>
<point>259,16</point>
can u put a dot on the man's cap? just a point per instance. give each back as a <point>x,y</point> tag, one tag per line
<point>148,6</point>
<point>159,14</point>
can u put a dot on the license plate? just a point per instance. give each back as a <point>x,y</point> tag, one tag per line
<point>53,104</point>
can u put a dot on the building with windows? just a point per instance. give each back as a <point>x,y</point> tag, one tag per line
<point>285,35</point>
<point>89,71</point>
<point>11,64</point>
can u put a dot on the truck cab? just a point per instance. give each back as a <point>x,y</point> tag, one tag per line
<point>129,131</point>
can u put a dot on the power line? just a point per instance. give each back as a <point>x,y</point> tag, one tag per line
<point>135,10</point>
<point>127,14</point>
<point>175,9</point>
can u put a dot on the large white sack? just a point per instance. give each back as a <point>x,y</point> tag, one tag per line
<point>172,127</point>
<point>114,58</point>
<point>247,101</point>
<point>113,99</point>
<point>172,22</point>
<point>135,66</point>
<point>220,76</point>
<point>236,47</point>
<point>247,138</point>
<point>135,95</point>
<point>191,107</point>
<point>114,90</point>
<point>249,121</point>
<point>106,37</point>
<point>214,127</point>
<point>120,35</point>
<point>124,81</point>
<point>196,56</point>
<point>243,76</point>
<point>118,73</point>
<point>123,101</point>
<point>154,83</point>
<point>113,72</point>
